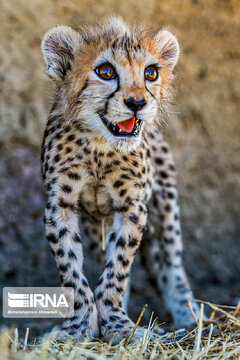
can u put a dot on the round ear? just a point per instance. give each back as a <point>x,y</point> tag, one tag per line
<point>168,47</point>
<point>59,45</point>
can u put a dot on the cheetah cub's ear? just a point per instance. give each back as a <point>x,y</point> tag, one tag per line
<point>168,47</point>
<point>58,47</point>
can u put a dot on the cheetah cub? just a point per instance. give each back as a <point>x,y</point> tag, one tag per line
<point>104,158</point>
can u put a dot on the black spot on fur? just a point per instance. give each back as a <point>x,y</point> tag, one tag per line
<point>124,262</point>
<point>76,238</point>
<point>121,242</point>
<point>81,292</point>
<point>60,252</point>
<point>122,192</point>
<point>70,138</point>
<point>99,295</point>
<point>120,277</point>
<point>68,150</point>
<point>57,158</point>
<point>112,237</point>
<point>66,188</point>
<point>133,218</point>
<point>168,208</point>
<point>52,238</point>
<point>77,305</point>
<point>75,274</point>
<point>164,149</point>
<point>133,242</point>
<point>110,154</point>
<point>72,255</point>
<point>87,151</point>
<point>63,204</point>
<point>118,183</point>
<point>70,284</point>
<point>73,176</point>
<point>84,282</point>
<point>62,232</point>
<point>64,267</point>
<point>108,302</point>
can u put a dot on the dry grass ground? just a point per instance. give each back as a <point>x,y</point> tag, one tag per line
<point>203,131</point>
<point>218,338</point>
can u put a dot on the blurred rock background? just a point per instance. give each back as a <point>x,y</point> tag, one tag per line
<point>203,130</point>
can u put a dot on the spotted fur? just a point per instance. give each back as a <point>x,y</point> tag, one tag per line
<point>129,182</point>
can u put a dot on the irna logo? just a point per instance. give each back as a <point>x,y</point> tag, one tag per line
<point>37,300</point>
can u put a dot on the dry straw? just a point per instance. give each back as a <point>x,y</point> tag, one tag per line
<point>218,338</point>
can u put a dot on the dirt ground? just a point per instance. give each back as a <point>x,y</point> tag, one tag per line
<point>203,131</point>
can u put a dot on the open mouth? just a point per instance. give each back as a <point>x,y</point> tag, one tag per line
<point>127,128</point>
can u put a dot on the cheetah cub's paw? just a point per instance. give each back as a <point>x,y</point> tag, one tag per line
<point>64,335</point>
<point>77,329</point>
<point>115,332</point>
<point>183,318</point>
<point>114,335</point>
<point>74,335</point>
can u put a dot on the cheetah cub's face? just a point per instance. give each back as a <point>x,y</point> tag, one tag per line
<point>115,82</point>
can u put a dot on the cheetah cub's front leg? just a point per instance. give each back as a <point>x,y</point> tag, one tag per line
<point>124,239</point>
<point>63,234</point>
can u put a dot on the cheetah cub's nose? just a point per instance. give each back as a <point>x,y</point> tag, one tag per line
<point>135,103</point>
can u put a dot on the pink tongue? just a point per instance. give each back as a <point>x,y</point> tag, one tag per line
<point>127,125</point>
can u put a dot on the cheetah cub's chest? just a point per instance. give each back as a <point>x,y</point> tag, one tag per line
<point>96,201</point>
<point>114,179</point>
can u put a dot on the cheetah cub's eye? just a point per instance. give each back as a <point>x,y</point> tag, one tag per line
<point>106,72</point>
<point>151,73</point>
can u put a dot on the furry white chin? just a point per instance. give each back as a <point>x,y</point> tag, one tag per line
<point>121,144</point>
<point>124,144</point>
